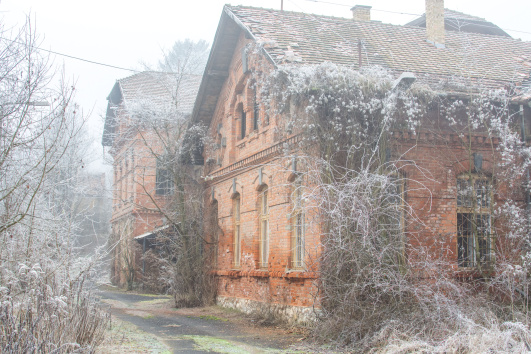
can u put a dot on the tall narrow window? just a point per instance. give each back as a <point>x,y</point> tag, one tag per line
<point>473,221</point>
<point>243,124</point>
<point>395,215</point>
<point>264,228</point>
<point>163,180</point>
<point>297,226</point>
<point>256,112</point>
<point>237,231</point>
<point>214,226</point>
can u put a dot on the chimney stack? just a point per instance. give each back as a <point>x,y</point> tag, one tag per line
<point>435,22</point>
<point>361,12</point>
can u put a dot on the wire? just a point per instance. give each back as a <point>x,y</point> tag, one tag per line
<point>71,56</point>
<point>409,14</point>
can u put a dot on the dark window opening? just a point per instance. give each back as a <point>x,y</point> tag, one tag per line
<point>243,124</point>
<point>473,221</point>
<point>256,113</point>
<point>164,182</point>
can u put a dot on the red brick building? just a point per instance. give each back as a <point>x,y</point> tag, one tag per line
<point>138,106</point>
<point>268,245</point>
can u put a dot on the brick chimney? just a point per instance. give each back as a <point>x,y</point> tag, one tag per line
<point>435,22</point>
<point>361,12</point>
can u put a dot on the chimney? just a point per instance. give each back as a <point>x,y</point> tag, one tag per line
<point>361,12</point>
<point>435,22</point>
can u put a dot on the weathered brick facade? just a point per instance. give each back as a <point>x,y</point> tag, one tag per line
<point>260,165</point>
<point>244,162</point>
<point>135,149</point>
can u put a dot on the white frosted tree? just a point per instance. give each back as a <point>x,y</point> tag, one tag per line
<point>44,305</point>
<point>186,57</point>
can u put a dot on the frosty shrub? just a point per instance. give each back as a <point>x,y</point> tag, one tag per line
<point>382,287</point>
<point>45,301</point>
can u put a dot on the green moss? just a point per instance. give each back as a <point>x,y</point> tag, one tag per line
<point>154,302</point>
<point>212,318</point>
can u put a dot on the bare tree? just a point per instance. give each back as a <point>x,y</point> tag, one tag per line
<point>186,57</point>
<point>44,305</point>
<point>161,150</point>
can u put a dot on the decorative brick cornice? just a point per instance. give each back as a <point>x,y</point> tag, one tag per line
<point>253,160</point>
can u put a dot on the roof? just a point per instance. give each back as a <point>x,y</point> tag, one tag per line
<point>299,38</point>
<point>151,234</point>
<point>160,88</point>
<point>460,22</point>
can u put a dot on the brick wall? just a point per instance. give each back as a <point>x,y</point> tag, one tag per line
<point>431,164</point>
<point>278,282</point>
<point>135,202</point>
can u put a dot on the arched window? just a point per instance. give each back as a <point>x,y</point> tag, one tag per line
<point>264,227</point>
<point>237,231</point>
<point>473,220</point>
<point>297,225</point>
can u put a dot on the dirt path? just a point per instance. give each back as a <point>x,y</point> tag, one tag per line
<point>147,323</point>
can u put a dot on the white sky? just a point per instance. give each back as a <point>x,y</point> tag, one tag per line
<point>125,33</point>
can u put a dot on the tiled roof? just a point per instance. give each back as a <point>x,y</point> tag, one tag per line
<point>161,88</point>
<point>291,37</point>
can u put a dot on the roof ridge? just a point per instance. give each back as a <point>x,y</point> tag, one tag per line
<point>462,15</point>
<point>294,12</point>
<point>142,73</point>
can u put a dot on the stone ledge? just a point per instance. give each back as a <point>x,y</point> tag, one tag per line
<point>291,314</point>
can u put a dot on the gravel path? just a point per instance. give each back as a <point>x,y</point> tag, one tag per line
<point>200,330</point>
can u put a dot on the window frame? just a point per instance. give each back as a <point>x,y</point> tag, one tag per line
<point>236,241</point>
<point>264,229</point>
<point>256,113</point>
<point>397,199</point>
<point>163,181</point>
<point>243,122</point>
<point>469,207</point>
<point>298,226</point>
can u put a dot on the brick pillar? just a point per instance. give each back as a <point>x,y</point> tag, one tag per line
<point>361,12</point>
<point>435,22</point>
